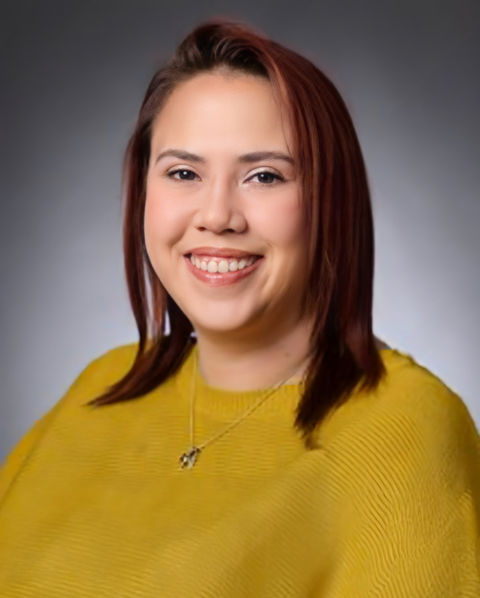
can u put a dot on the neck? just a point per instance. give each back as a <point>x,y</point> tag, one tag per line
<point>252,363</point>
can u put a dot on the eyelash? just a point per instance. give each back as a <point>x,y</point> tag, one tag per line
<point>277,177</point>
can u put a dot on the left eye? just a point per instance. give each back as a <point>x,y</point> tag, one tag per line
<point>183,174</point>
<point>267,177</point>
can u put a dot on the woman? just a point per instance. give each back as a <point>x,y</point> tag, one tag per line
<point>257,440</point>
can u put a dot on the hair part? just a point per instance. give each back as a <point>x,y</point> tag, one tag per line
<point>337,210</point>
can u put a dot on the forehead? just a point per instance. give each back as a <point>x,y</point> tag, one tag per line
<point>223,109</point>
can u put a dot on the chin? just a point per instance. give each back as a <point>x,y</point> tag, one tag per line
<point>219,325</point>
<point>223,321</point>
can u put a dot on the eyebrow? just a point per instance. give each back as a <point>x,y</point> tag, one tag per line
<point>244,158</point>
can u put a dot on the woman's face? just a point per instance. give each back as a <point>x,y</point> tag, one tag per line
<point>223,219</point>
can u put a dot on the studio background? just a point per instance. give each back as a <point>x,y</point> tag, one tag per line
<point>73,76</point>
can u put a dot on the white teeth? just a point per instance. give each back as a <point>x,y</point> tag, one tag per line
<point>223,266</point>
<point>214,265</point>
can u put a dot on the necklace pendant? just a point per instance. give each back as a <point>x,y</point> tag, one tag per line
<point>188,459</point>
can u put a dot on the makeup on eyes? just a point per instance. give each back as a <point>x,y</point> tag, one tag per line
<point>276,176</point>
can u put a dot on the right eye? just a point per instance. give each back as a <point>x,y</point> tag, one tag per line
<point>183,174</point>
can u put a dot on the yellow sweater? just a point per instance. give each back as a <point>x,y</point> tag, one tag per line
<point>93,502</point>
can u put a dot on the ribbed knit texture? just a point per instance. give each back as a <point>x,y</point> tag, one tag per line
<point>93,502</point>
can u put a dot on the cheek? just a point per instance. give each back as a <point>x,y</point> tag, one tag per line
<point>281,224</point>
<point>164,222</point>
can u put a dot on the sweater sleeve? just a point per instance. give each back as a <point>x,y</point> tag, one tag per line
<point>408,483</point>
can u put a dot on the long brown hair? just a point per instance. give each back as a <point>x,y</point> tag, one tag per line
<point>336,200</point>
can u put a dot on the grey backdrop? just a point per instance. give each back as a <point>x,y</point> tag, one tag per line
<point>73,75</point>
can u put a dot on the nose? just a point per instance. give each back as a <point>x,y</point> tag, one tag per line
<point>220,209</point>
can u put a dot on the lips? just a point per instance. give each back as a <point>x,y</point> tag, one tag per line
<point>220,252</point>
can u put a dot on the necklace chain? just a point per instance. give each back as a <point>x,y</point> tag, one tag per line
<point>188,459</point>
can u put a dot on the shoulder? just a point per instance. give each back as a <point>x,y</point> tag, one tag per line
<point>410,390</point>
<point>102,371</point>
<point>412,424</point>
<point>109,366</point>
<point>401,466</point>
<point>113,360</point>
<point>93,379</point>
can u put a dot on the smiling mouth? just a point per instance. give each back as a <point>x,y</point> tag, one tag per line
<point>221,265</point>
<point>221,271</point>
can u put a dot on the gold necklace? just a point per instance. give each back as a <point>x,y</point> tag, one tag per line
<point>189,458</point>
